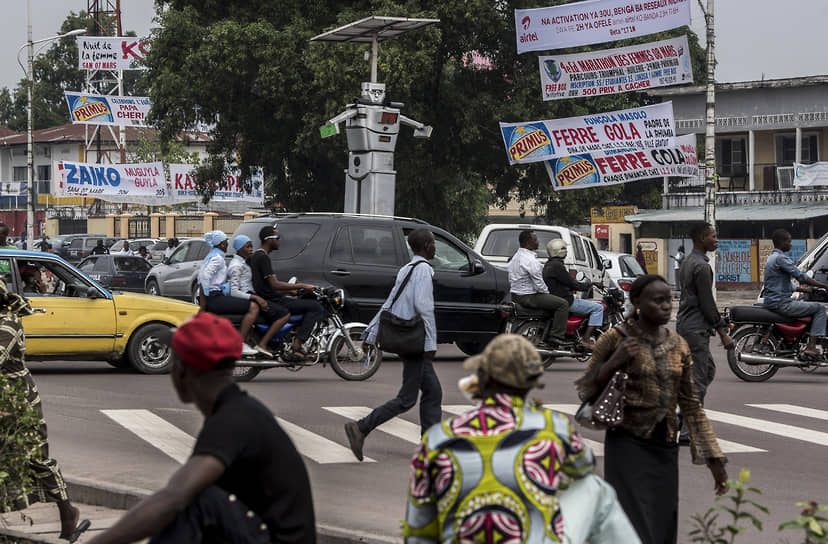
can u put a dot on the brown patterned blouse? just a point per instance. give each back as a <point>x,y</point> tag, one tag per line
<point>660,378</point>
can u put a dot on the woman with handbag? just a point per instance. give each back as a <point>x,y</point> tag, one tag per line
<point>405,325</point>
<point>641,451</point>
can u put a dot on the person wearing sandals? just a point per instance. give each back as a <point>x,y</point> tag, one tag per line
<point>416,298</point>
<point>698,317</point>
<point>48,484</point>
<point>268,286</point>
<point>779,270</point>
<point>641,453</point>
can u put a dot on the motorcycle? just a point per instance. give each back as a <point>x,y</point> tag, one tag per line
<point>767,341</point>
<point>534,325</point>
<point>332,341</point>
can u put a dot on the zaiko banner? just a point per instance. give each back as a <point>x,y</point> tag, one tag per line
<point>103,180</point>
<point>810,174</point>
<point>612,167</point>
<point>596,21</point>
<point>96,109</point>
<point>108,53</point>
<point>637,128</point>
<point>183,186</point>
<point>634,68</point>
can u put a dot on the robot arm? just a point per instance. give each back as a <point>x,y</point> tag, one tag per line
<point>334,122</point>
<point>420,130</point>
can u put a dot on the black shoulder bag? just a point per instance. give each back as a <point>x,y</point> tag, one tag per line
<point>606,409</point>
<point>397,335</point>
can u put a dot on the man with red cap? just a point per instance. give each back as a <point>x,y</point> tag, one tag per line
<point>245,482</point>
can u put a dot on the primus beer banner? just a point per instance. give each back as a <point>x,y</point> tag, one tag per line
<point>96,109</point>
<point>611,71</point>
<point>596,21</point>
<point>107,53</point>
<point>637,128</point>
<point>105,180</point>
<point>622,166</point>
<point>183,186</point>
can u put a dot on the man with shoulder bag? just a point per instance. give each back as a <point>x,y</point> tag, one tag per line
<point>408,313</point>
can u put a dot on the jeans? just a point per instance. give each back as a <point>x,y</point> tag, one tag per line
<point>550,303</point>
<point>584,307</point>
<point>591,512</point>
<point>311,309</point>
<point>418,375</point>
<point>800,308</point>
<point>214,518</point>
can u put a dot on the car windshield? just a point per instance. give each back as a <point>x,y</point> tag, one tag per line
<point>630,267</point>
<point>504,242</point>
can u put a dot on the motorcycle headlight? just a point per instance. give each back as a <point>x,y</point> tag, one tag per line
<point>339,298</point>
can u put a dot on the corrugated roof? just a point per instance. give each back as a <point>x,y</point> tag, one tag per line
<point>76,133</point>
<point>743,85</point>
<point>776,212</point>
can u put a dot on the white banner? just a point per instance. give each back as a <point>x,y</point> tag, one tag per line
<point>603,168</point>
<point>611,71</point>
<point>124,181</point>
<point>636,128</point>
<point>596,21</point>
<point>96,109</point>
<point>108,53</point>
<point>183,186</point>
<point>810,174</point>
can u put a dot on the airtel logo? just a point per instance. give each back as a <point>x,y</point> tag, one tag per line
<point>526,22</point>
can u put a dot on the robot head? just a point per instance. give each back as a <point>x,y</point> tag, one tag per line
<point>373,92</point>
<point>556,248</point>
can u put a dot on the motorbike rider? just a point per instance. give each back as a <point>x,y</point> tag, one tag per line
<point>215,290</point>
<point>528,288</point>
<point>241,285</point>
<point>779,269</point>
<point>272,290</point>
<point>562,284</point>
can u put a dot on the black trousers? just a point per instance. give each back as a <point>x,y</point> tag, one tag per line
<point>311,309</point>
<point>215,518</point>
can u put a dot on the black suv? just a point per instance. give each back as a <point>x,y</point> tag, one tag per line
<point>74,247</point>
<point>362,254</point>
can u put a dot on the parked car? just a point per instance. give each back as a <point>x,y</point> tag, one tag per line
<point>622,268</point>
<point>77,318</point>
<point>75,247</point>
<point>362,254</point>
<point>121,272</point>
<point>133,244</point>
<point>497,244</point>
<point>177,276</point>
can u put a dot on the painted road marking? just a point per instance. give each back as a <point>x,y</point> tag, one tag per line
<point>779,429</point>
<point>157,431</point>
<point>400,428</point>
<point>317,447</point>
<point>793,409</point>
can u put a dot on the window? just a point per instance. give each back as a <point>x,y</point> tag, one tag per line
<point>599,262</point>
<point>295,237</point>
<point>786,149</point>
<point>76,243</point>
<point>132,264</point>
<point>87,265</point>
<point>341,249</point>
<point>5,273</point>
<point>578,249</point>
<point>55,279</point>
<point>372,245</point>
<point>20,173</point>
<point>44,172</point>
<point>504,242</point>
<point>449,257</point>
<point>732,156</point>
<point>630,267</point>
<point>180,254</point>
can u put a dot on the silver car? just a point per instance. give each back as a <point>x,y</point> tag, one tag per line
<point>622,268</point>
<point>177,276</point>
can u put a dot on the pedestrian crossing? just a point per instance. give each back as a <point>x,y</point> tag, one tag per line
<point>177,444</point>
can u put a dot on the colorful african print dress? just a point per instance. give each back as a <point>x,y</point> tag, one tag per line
<point>493,475</point>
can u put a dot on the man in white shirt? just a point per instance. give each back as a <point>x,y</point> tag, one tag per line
<point>125,250</point>
<point>529,290</point>
<point>172,244</point>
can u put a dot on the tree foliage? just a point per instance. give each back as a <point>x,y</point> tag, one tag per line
<point>252,70</point>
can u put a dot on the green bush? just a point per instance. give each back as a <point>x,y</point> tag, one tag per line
<point>19,441</point>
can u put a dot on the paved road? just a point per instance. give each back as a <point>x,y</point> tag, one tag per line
<point>131,430</point>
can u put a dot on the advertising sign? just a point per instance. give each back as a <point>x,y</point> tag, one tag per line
<point>183,186</point>
<point>602,232</point>
<point>121,180</point>
<point>611,214</point>
<point>596,21</point>
<point>108,53</point>
<point>622,166</point>
<point>96,109</point>
<point>635,68</point>
<point>636,128</point>
<point>734,261</point>
<point>810,174</point>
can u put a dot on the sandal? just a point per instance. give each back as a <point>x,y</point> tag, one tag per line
<point>810,356</point>
<point>300,354</point>
<point>79,530</point>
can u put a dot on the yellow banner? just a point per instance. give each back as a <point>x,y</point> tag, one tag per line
<point>611,214</point>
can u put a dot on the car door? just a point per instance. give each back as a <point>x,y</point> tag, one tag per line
<point>66,319</point>
<point>183,263</point>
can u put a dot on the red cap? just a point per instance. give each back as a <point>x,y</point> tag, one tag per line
<point>205,339</point>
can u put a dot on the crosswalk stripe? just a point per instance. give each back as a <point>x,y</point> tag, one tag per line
<point>780,429</point>
<point>457,409</point>
<point>400,428</point>
<point>792,409</point>
<point>157,431</point>
<point>317,447</point>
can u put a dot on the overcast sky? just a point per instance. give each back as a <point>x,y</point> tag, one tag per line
<point>754,37</point>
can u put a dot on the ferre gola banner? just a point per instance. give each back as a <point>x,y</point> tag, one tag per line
<point>637,128</point>
<point>596,21</point>
<point>108,53</point>
<point>183,186</point>
<point>806,175</point>
<point>121,180</point>
<point>603,168</point>
<point>634,68</point>
<point>95,109</point>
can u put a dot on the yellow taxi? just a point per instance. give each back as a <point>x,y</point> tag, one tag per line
<point>75,318</point>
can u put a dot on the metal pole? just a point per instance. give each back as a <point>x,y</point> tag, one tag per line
<point>374,56</point>
<point>30,215</point>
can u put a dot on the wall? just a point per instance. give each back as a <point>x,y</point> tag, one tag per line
<point>97,225</point>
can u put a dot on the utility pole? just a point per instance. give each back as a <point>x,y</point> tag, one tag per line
<point>710,131</point>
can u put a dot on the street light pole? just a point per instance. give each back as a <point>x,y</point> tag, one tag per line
<point>710,122</point>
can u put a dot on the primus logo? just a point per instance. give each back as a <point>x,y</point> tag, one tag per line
<point>85,110</point>
<point>572,170</point>
<point>527,140</point>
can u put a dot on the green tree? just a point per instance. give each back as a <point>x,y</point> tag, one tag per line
<point>251,70</point>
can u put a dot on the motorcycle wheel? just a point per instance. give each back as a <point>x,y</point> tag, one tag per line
<point>745,340</point>
<point>593,339</point>
<point>532,331</point>
<point>245,373</point>
<point>345,363</point>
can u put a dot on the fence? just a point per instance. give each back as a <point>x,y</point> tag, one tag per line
<point>188,226</point>
<point>227,223</point>
<point>139,227</point>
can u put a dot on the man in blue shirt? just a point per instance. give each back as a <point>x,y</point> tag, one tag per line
<point>779,270</point>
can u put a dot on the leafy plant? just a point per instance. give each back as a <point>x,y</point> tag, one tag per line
<point>741,509</point>
<point>814,524</point>
<point>19,441</point>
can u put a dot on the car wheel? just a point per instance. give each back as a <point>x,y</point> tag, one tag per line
<point>194,296</point>
<point>471,348</point>
<point>148,353</point>
<point>153,288</point>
